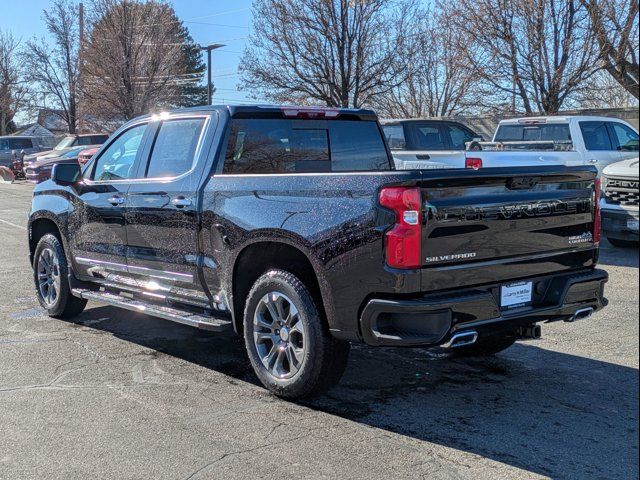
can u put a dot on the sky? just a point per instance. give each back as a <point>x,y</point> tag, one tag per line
<point>209,21</point>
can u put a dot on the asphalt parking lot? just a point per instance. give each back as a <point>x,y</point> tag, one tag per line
<point>115,394</point>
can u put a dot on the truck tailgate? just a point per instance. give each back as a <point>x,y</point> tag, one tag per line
<point>500,224</point>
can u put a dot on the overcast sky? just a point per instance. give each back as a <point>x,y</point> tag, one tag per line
<point>209,21</point>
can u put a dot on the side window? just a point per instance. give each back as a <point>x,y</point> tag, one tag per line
<point>624,138</point>
<point>596,136</point>
<point>83,141</point>
<point>117,161</point>
<point>426,137</point>
<point>459,137</point>
<point>395,137</point>
<point>98,139</point>
<point>174,149</point>
<point>20,143</point>
<point>357,146</point>
<point>276,146</point>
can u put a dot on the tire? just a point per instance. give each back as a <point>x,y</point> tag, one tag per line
<point>50,275</point>
<point>488,346</point>
<point>298,358</point>
<point>616,242</point>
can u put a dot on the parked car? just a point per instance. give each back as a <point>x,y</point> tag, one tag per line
<point>554,140</point>
<point>40,170</point>
<point>619,203</point>
<point>85,155</point>
<point>67,143</point>
<point>424,143</point>
<point>292,227</point>
<point>13,148</point>
<point>567,140</point>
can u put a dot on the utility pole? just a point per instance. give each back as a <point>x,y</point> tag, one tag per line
<point>208,49</point>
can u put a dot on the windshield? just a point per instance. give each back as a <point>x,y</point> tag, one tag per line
<point>528,133</point>
<point>66,142</point>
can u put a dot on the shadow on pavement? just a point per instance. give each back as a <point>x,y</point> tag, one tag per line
<point>545,412</point>
<point>619,257</point>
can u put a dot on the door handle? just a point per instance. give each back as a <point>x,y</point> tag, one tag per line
<point>115,200</point>
<point>181,202</point>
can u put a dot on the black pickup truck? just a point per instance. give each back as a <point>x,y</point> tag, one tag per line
<point>290,226</point>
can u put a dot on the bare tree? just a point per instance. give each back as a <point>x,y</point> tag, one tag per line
<point>52,61</point>
<point>603,91</point>
<point>13,89</point>
<point>443,83</point>
<point>615,23</point>
<point>338,53</point>
<point>539,52</point>
<point>134,59</point>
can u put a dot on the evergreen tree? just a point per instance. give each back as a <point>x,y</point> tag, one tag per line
<point>193,91</point>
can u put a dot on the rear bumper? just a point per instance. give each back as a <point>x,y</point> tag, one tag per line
<point>431,320</point>
<point>615,222</point>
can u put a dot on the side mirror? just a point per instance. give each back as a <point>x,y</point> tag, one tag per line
<point>65,174</point>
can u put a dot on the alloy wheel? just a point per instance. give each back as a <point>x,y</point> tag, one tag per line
<point>48,276</point>
<point>279,335</point>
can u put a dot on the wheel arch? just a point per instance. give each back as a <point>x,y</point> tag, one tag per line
<point>40,225</point>
<point>263,255</point>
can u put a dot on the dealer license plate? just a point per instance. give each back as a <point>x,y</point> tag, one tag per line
<point>516,294</point>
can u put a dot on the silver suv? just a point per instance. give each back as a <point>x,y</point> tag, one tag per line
<point>12,147</point>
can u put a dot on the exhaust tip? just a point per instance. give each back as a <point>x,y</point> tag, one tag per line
<point>461,339</point>
<point>581,314</point>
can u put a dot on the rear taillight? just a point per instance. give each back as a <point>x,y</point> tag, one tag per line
<point>475,163</point>
<point>402,242</point>
<point>597,222</point>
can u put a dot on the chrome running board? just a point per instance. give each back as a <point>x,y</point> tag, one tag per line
<point>204,322</point>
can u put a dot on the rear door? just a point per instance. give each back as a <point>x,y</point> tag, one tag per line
<point>98,241</point>
<point>431,141</point>
<point>162,210</point>
<point>503,223</point>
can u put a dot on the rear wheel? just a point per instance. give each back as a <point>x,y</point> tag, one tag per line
<point>616,242</point>
<point>50,274</point>
<point>486,347</point>
<point>288,343</point>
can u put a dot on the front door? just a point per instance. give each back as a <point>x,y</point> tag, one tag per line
<point>98,242</point>
<point>599,144</point>
<point>162,212</point>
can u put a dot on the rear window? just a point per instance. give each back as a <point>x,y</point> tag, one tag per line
<point>20,143</point>
<point>395,136</point>
<point>304,146</point>
<point>174,149</point>
<point>550,132</point>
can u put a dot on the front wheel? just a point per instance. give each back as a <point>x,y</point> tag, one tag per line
<point>287,340</point>
<point>50,274</point>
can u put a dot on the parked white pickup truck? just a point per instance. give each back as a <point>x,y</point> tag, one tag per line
<point>558,140</point>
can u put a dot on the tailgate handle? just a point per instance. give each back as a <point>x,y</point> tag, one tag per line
<point>522,183</point>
